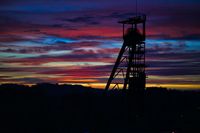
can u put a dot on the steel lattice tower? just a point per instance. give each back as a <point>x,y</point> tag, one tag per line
<point>129,69</point>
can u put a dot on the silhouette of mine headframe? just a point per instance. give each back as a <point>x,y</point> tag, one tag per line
<point>128,72</point>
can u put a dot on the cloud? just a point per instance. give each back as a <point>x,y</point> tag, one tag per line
<point>189,37</point>
<point>89,20</point>
<point>37,33</point>
<point>172,71</point>
<point>30,80</point>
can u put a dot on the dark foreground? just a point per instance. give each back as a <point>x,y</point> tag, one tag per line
<point>75,109</point>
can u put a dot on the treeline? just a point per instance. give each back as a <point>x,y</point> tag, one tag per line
<point>46,89</point>
<point>49,89</point>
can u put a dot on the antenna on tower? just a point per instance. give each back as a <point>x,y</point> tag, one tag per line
<point>136,6</point>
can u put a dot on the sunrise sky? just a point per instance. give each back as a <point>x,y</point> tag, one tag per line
<point>77,41</point>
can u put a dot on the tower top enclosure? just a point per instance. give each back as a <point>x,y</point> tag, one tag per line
<point>135,22</point>
<point>137,19</point>
<point>129,69</point>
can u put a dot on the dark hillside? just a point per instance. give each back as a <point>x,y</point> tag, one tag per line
<point>76,109</point>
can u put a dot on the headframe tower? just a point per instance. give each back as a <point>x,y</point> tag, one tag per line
<point>128,72</point>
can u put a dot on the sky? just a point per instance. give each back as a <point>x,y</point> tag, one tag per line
<point>77,41</point>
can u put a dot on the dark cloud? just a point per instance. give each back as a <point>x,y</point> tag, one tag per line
<point>11,38</point>
<point>171,64</point>
<point>189,37</point>
<point>32,30</point>
<point>100,38</point>
<point>30,80</point>
<point>57,25</point>
<point>177,16</point>
<point>169,80</point>
<point>191,56</point>
<point>172,71</point>
<point>82,19</point>
<point>119,15</point>
<point>78,72</point>
<point>166,47</point>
